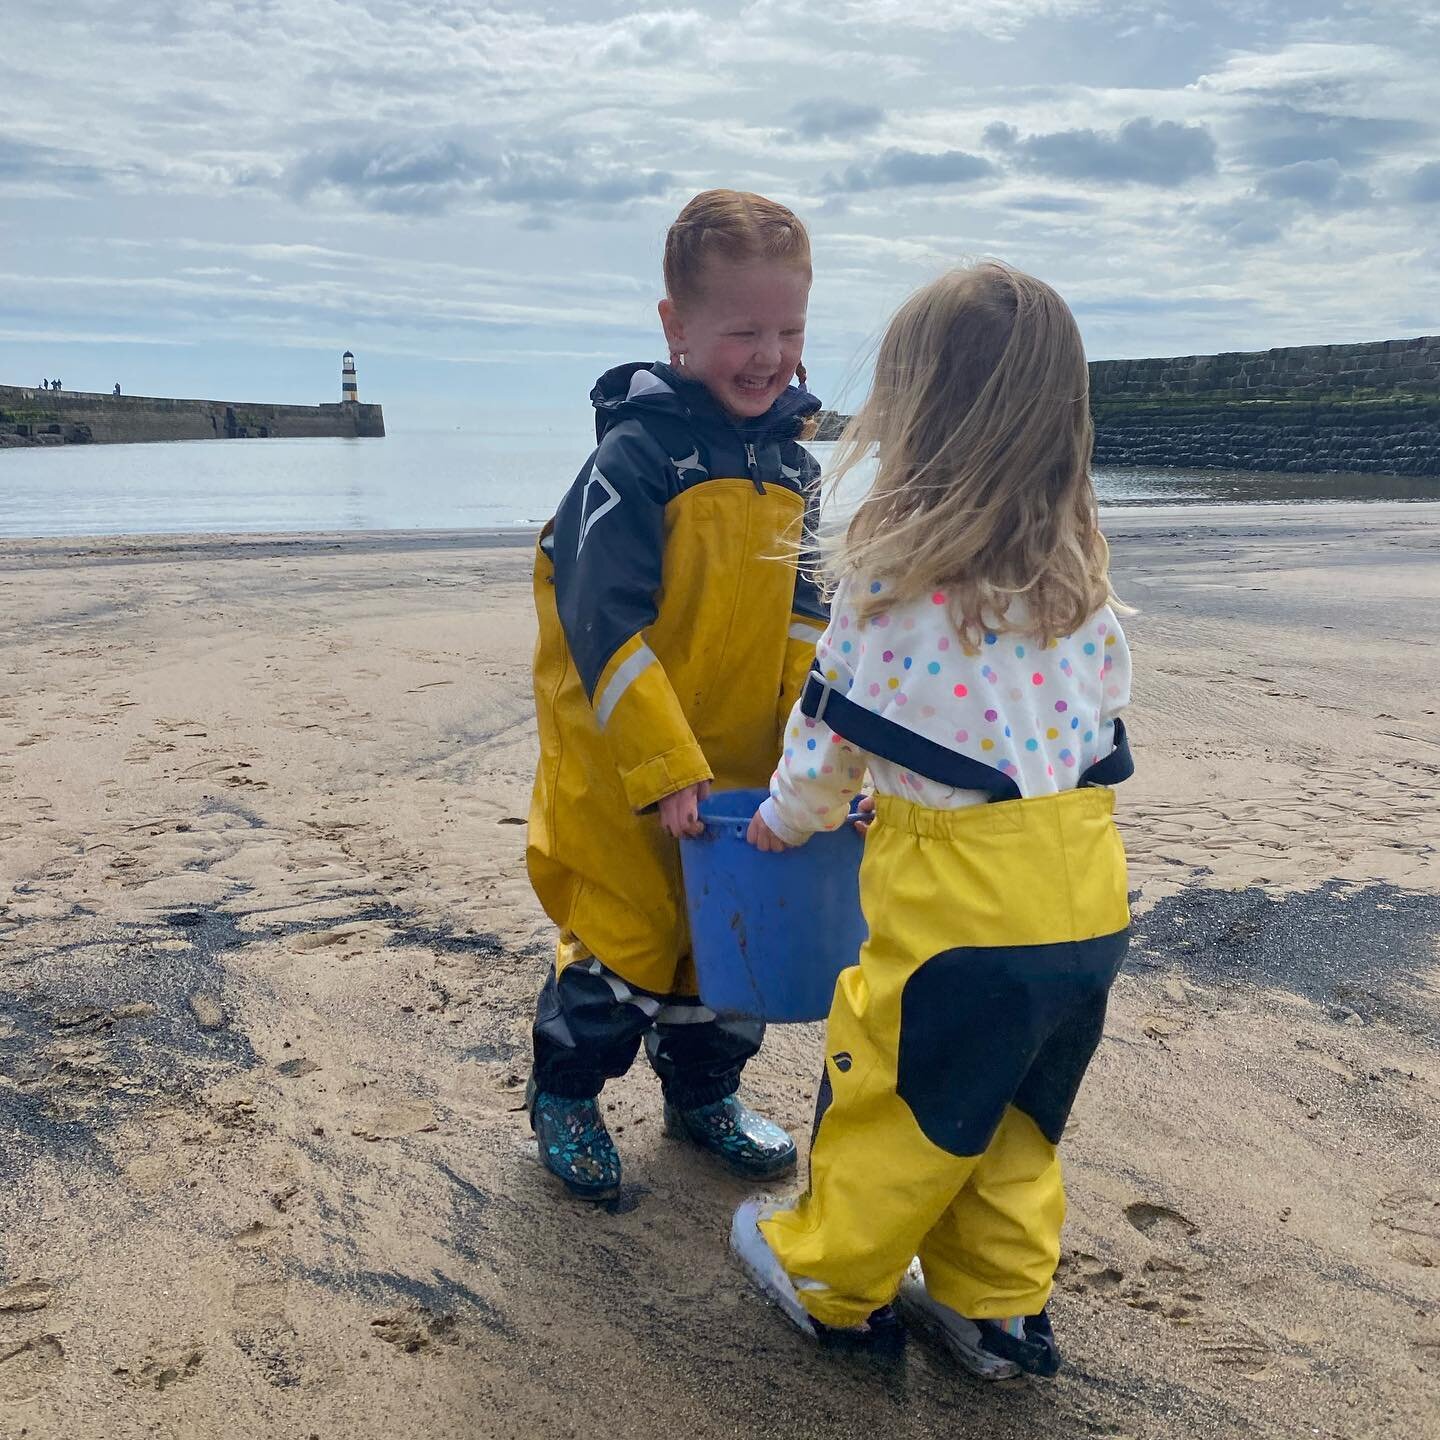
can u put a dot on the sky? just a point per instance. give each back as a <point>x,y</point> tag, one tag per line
<point>216,197</point>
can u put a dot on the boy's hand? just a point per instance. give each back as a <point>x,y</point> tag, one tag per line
<point>762,837</point>
<point>680,812</point>
<point>866,817</point>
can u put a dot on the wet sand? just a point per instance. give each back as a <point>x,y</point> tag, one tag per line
<point>267,955</point>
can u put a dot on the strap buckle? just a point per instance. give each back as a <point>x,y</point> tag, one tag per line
<point>826,691</point>
<point>816,696</point>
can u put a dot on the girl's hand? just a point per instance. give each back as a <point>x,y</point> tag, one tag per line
<point>680,812</point>
<point>866,818</point>
<point>762,837</point>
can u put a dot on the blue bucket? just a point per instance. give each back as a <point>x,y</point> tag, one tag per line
<point>770,932</point>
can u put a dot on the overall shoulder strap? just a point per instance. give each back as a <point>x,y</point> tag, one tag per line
<point>877,735</point>
<point>1118,765</point>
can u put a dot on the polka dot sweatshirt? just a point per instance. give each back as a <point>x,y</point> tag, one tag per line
<point>1041,714</point>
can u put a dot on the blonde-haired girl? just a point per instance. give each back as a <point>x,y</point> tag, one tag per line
<point>974,664</point>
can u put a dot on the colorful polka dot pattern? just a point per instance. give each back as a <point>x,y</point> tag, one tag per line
<point>1037,710</point>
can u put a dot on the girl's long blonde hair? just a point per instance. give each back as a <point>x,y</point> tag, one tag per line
<point>980,415</point>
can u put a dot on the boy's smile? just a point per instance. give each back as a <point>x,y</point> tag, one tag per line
<point>743,335</point>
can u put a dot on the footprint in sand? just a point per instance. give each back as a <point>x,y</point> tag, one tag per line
<point>391,1122</point>
<point>227,772</point>
<point>297,1068</point>
<point>320,940</point>
<point>497,1087</point>
<point>25,1296</point>
<point>1154,1291</point>
<point>274,1349</point>
<point>1081,1273</point>
<point>26,1365</point>
<point>1408,1221</point>
<point>1160,1223</point>
<point>1236,1346</point>
<point>256,1236</point>
<point>414,1328</point>
<point>160,1370</point>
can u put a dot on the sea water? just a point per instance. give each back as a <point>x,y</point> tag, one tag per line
<point>462,479</point>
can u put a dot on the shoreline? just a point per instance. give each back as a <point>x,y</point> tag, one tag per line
<point>518,535</point>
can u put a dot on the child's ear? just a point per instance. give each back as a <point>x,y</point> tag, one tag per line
<point>673,326</point>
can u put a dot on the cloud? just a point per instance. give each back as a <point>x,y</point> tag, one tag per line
<point>1245,222</point>
<point>1054,204</point>
<point>1320,184</point>
<point>427,177</point>
<point>654,37</point>
<point>401,176</point>
<point>827,119</point>
<point>1285,135</point>
<point>996,19</point>
<point>1141,152</point>
<point>22,161</point>
<point>899,168</point>
<point>546,179</point>
<point>1306,74</point>
<point>1424,185</point>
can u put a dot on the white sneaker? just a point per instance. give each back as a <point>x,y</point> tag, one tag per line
<point>881,1336</point>
<point>960,1336</point>
<point>753,1251</point>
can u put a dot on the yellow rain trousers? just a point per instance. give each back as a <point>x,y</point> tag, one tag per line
<point>955,1049</point>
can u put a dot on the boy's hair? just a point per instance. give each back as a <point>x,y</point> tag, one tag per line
<point>980,414</point>
<point>732,225</point>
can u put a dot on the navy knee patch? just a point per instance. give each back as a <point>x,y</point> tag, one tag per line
<point>984,1027</point>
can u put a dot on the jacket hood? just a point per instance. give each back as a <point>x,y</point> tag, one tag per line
<point>644,389</point>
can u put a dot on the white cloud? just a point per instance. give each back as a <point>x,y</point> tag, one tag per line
<point>1311,73</point>
<point>1002,19</point>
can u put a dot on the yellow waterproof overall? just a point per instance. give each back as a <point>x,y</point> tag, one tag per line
<point>674,640</point>
<point>956,1047</point>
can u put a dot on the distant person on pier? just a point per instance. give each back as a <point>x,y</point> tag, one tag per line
<point>44,384</point>
<point>117,387</point>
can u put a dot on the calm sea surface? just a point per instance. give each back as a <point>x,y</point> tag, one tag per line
<point>459,480</point>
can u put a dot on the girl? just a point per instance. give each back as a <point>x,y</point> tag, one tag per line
<point>974,664</point>
<point>673,642</point>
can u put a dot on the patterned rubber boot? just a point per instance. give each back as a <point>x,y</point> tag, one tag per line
<point>574,1144</point>
<point>745,1142</point>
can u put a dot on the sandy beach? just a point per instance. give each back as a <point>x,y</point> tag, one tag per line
<point>268,953</point>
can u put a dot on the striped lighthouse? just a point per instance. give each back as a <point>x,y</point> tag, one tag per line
<point>348,389</point>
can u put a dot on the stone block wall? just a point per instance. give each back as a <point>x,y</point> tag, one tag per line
<point>1369,437</point>
<point>1375,370</point>
<point>1371,408</point>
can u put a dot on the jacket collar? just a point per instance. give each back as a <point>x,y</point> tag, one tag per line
<point>644,389</point>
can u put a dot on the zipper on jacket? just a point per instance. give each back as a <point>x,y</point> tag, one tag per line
<point>754,468</point>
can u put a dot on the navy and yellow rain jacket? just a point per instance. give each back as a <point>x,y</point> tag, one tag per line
<point>675,636</point>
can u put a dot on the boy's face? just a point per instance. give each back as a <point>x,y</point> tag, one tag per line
<point>743,334</point>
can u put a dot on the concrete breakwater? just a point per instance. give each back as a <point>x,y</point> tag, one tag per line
<point>62,417</point>
<point>1367,436</point>
<point>1372,407</point>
